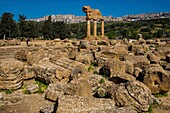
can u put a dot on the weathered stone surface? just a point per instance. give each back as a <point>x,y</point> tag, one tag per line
<point>76,104</point>
<point>9,42</point>
<point>32,88</point>
<point>11,74</point>
<point>35,56</point>
<point>94,81</point>
<point>84,44</point>
<point>74,67</point>
<point>55,90</point>
<point>161,54</point>
<point>156,78</point>
<point>134,94</point>
<point>72,54</point>
<point>102,57</point>
<point>138,61</point>
<point>138,49</point>
<point>85,58</point>
<point>129,67</point>
<point>103,42</point>
<point>113,42</point>
<point>137,71</point>
<point>121,50</point>
<point>167,66</point>
<point>112,67</point>
<point>103,48</point>
<point>21,55</point>
<point>28,72</point>
<point>1,97</point>
<point>168,58</point>
<point>115,70</point>
<point>141,41</point>
<point>2,43</point>
<point>45,71</point>
<point>103,88</point>
<point>78,87</point>
<point>58,68</point>
<point>153,58</point>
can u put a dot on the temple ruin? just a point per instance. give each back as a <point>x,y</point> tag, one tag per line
<point>95,15</point>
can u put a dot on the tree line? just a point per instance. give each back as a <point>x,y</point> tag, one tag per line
<point>9,28</point>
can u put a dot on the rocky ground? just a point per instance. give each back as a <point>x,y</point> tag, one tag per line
<point>80,76</point>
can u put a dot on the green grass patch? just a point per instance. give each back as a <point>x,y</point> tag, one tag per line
<point>150,110</point>
<point>42,86</point>
<point>25,90</point>
<point>161,95</point>
<point>102,81</point>
<point>7,91</point>
<point>90,68</point>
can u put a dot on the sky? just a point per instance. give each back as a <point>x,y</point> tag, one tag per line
<point>116,8</point>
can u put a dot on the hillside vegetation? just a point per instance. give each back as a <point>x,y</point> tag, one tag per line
<point>9,28</point>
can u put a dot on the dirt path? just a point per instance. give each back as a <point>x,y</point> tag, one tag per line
<point>28,104</point>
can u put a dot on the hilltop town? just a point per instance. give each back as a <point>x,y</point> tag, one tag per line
<point>70,18</point>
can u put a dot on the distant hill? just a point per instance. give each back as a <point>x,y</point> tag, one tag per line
<point>70,18</point>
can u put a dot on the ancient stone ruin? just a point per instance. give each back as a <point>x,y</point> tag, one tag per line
<point>86,76</point>
<point>93,14</point>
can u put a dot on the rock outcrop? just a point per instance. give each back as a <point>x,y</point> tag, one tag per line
<point>134,94</point>
<point>156,78</point>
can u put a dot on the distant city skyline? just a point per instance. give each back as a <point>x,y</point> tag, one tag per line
<point>116,8</point>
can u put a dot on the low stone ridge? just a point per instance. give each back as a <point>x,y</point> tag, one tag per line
<point>77,104</point>
<point>9,42</point>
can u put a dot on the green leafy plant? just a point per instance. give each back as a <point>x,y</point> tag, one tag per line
<point>25,90</point>
<point>90,68</point>
<point>42,86</point>
<point>7,91</point>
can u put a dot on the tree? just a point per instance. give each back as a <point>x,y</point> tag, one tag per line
<point>60,30</point>
<point>22,25</point>
<point>31,30</point>
<point>47,29</point>
<point>8,26</point>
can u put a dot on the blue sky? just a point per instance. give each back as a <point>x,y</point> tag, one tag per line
<point>116,8</point>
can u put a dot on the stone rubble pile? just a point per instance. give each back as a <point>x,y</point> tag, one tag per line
<point>93,76</point>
